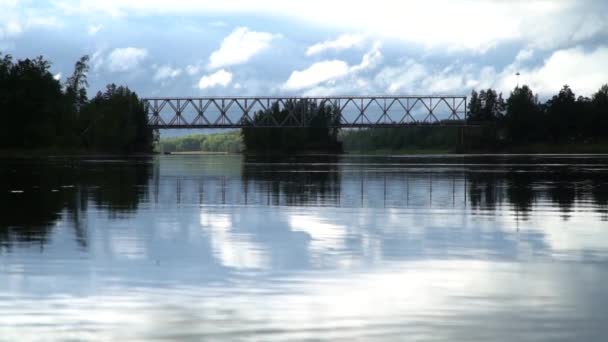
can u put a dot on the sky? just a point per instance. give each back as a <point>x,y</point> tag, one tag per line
<point>316,47</point>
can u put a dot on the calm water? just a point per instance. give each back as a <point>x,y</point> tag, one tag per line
<point>309,248</point>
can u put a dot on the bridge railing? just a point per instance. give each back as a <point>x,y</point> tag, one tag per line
<point>354,111</point>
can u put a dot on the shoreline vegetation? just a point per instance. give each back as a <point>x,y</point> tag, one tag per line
<point>184,145</point>
<point>579,148</point>
<point>43,116</point>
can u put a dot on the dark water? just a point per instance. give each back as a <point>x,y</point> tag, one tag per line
<point>310,248</point>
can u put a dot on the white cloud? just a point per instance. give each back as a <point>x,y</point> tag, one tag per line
<point>331,70</point>
<point>446,84</point>
<point>17,17</point>
<point>124,59</point>
<point>524,55</point>
<point>193,69</point>
<point>467,24</point>
<point>399,79</point>
<point>316,73</point>
<point>454,79</point>
<point>239,47</point>
<point>12,28</point>
<point>97,59</point>
<point>12,24</point>
<point>218,78</point>
<point>343,42</point>
<point>166,72</point>
<point>93,29</point>
<point>486,78</point>
<point>584,71</point>
<point>408,77</point>
<point>57,76</point>
<point>370,60</point>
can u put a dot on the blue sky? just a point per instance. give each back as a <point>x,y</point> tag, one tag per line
<point>272,47</point>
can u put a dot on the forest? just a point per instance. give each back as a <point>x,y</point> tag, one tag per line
<point>40,112</point>
<point>522,118</point>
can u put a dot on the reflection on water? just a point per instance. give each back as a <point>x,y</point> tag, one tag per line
<point>36,194</point>
<point>310,247</point>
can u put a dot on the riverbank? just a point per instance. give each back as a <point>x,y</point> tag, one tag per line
<point>538,148</point>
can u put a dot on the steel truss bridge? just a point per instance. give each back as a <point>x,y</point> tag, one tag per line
<point>354,111</point>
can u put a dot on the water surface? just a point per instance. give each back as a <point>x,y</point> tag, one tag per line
<point>330,248</point>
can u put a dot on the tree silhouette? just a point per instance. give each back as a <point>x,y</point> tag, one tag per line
<point>31,102</point>
<point>562,115</point>
<point>37,113</point>
<point>523,117</point>
<point>77,84</point>
<point>116,121</point>
<point>599,112</point>
<point>486,106</point>
<point>318,133</point>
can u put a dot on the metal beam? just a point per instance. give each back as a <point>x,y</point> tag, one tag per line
<point>355,111</point>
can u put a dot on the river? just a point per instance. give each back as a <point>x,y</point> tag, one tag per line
<point>227,247</point>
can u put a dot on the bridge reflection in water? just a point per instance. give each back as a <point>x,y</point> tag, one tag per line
<point>372,182</point>
<point>358,190</point>
<point>74,187</point>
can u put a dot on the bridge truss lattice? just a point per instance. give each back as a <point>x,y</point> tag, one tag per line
<point>354,111</point>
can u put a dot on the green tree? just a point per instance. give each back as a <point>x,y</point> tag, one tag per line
<point>599,113</point>
<point>486,106</point>
<point>561,115</point>
<point>318,133</point>
<point>31,101</point>
<point>77,84</point>
<point>116,121</point>
<point>523,116</point>
<point>474,113</point>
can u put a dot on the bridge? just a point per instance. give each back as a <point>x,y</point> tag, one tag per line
<point>354,111</point>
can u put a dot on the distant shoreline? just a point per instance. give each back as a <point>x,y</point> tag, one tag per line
<point>544,148</point>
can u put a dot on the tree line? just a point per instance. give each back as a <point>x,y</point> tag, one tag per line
<point>522,118</point>
<point>39,111</point>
